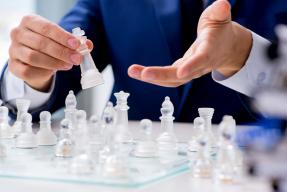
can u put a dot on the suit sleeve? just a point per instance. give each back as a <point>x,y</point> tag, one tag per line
<point>87,15</point>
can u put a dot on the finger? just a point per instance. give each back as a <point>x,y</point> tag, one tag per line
<point>193,64</point>
<point>24,71</point>
<point>37,59</point>
<point>48,47</point>
<point>90,44</point>
<point>50,30</point>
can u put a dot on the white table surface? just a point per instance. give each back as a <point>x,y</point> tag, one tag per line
<point>177,183</point>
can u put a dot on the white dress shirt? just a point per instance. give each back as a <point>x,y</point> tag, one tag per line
<point>255,73</point>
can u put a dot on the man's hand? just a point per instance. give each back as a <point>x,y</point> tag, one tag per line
<point>39,48</point>
<point>221,45</point>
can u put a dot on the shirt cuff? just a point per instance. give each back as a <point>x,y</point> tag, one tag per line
<point>254,74</point>
<point>14,88</point>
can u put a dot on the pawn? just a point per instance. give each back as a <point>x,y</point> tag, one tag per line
<point>82,164</point>
<point>198,126</point>
<point>96,138</point>
<point>22,107</point>
<point>167,141</point>
<point>202,167</point>
<point>27,139</point>
<point>146,147</point>
<point>5,129</point>
<point>45,135</point>
<point>71,107</point>
<point>65,146</point>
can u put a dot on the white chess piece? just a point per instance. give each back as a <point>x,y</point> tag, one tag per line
<point>65,145</point>
<point>228,160</point>
<point>167,141</point>
<point>198,124</point>
<point>26,139</point>
<point>82,162</point>
<point>123,133</point>
<point>22,108</point>
<point>146,147</point>
<point>45,135</point>
<point>70,107</point>
<point>206,114</point>
<point>6,131</point>
<point>91,77</point>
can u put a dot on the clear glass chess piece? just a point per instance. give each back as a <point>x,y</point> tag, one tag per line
<point>96,136</point>
<point>206,114</point>
<point>82,162</point>
<point>167,141</point>
<point>123,133</point>
<point>91,77</point>
<point>202,167</point>
<point>6,131</point>
<point>26,139</point>
<point>22,108</point>
<point>146,147</point>
<point>198,123</point>
<point>228,160</point>
<point>65,145</point>
<point>45,135</point>
<point>71,107</point>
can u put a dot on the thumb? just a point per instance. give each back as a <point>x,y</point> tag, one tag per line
<point>219,11</point>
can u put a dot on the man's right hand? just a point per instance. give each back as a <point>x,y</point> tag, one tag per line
<point>39,48</point>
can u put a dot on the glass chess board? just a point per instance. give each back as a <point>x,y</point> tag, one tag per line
<point>41,164</point>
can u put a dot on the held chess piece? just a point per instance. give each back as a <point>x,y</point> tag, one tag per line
<point>91,77</point>
<point>146,147</point>
<point>206,114</point>
<point>45,135</point>
<point>27,139</point>
<point>22,108</point>
<point>71,107</point>
<point>65,146</point>
<point>5,129</point>
<point>167,141</point>
<point>123,134</point>
<point>228,160</point>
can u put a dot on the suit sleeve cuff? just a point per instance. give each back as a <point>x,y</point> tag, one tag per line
<point>255,73</point>
<point>14,88</point>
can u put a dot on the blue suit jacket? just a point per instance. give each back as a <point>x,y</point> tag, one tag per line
<point>155,32</point>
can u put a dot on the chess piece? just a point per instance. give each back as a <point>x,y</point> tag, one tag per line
<point>22,108</point>
<point>167,141</point>
<point>71,107</point>
<point>123,134</point>
<point>26,139</point>
<point>206,114</point>
<point>202,167</point>
<point>91,77</point>
<point>45,135</point>
<point>146,147</point>
<point>82,163</point>
<point>65,146</point>
<point>198,124</point>
<point>227,165</point>
<point>5,129</point>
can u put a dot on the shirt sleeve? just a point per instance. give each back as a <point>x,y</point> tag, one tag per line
<point>14,88</point>
<point>255,73</point>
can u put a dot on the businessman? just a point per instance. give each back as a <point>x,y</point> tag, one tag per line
<point>151,33</point>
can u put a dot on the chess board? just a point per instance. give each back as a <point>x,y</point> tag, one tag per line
<point>41,164</point>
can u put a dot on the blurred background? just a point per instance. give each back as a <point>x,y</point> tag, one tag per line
<point>11,13</point>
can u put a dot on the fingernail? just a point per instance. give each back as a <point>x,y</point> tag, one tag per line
<point>149,76</point>
<point>68,67</point>
<point>76,58</point>
<point>135,73</point>
<point>73,43</point>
